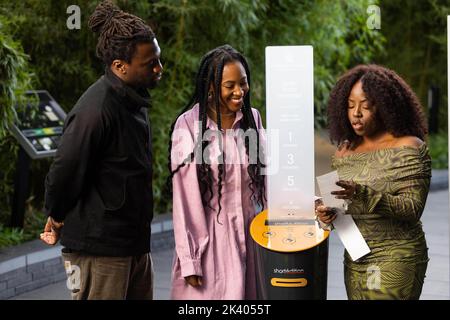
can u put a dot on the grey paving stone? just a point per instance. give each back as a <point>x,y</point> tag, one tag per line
<point>156,228</point>
<point>59,277</point>
<point>433,297</point>
<point>48,272</point>
<point>35,267</point>
<point>55,261</point>
<point>12,264</point>
<point>336,293</point>
<point>167,225</point>
<point>44,255</point>
<point>12,274</point>
<point>33,285</point>
<point>162,294</point>
<point>3,285</point>
<point>22,278</point>
<point>23,249</point>
<point>55,291</point>
<point>431,287</point>
<point>8,293</point>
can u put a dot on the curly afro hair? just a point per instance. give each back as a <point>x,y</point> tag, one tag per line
<point>397,108</point>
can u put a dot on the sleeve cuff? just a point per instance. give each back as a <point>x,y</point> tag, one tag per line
<point>191,267</point>
<point>324,226</point>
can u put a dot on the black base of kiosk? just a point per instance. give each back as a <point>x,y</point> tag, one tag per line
<point>292,275</point>
<point>291,259</point>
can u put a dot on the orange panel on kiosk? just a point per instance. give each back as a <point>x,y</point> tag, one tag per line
<point>286,236</point>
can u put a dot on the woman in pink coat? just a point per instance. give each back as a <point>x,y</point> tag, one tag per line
<point>216,163</point>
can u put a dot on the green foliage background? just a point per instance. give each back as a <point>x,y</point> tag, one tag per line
<point>416,48</point>
<point>64,60</point>
<point>15,79</point>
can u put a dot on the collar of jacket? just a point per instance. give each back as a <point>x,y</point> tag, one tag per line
<point>134,99</point>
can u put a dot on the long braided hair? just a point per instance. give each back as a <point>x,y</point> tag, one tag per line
<point>210,74</point>
<point>119,32</point>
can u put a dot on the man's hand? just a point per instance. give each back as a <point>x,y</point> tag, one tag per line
<point>51,232</point>
<point>194,281</point>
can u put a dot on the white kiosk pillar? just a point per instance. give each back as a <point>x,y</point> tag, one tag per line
<point>292,252</point>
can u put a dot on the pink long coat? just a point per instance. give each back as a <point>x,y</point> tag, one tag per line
<point>223,254</point>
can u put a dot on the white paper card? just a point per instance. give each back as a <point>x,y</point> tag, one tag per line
<point>346,228</point>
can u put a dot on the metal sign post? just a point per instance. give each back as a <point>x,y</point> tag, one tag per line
<point>38,135</point>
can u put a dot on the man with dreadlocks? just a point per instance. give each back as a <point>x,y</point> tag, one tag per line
<point>99,187</point>
<point>216,192</point>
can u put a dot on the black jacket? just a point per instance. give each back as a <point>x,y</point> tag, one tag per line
<point>100,183</point>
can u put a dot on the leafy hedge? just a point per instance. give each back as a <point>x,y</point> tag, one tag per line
<point>15,79</point>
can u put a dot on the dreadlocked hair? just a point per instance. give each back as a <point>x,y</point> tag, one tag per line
<point>119,32</point>
<point>210,74</point>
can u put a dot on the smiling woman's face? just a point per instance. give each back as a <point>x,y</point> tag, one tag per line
<point>360,113</point>
<point>233,88</point>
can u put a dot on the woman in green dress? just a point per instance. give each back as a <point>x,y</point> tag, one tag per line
<point>385,169</point>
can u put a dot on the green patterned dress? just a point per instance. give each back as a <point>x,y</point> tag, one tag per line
<point>387,207</point>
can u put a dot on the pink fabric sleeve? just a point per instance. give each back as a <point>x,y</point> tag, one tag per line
<point>189,221</point>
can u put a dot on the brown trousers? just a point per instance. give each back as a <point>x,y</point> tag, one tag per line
<point>109,278</point>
